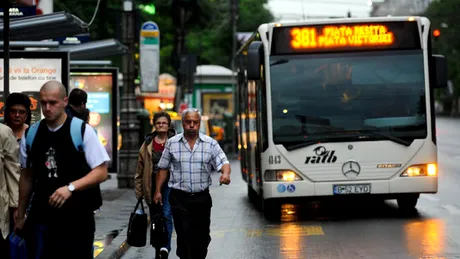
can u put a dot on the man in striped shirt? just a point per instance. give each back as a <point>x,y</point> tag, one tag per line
<point>188,159</point>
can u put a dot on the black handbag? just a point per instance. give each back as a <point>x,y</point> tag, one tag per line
<point>158,231</point>
<point>137,227</point>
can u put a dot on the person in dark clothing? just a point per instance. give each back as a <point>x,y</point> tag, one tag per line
<point>77,103</point>
<point>144,180</point>
<point>64,181</point>
<point>85,115</point>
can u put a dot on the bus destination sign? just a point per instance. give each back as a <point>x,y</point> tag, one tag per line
<point>345,37</point>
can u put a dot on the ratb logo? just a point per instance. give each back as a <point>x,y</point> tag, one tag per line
<point>322,155</point>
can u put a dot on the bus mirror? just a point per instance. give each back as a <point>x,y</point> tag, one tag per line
<point>255,59</point>
<point>441,71</point>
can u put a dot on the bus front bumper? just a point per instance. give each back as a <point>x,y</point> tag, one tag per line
<point>386,188</point>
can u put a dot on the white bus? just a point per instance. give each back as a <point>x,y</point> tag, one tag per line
<point>339,107</point>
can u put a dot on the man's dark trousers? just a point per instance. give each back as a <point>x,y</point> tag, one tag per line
<point>70,239</point>
<point>192,220</point>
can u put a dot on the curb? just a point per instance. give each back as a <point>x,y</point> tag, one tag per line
<point>116,249</point>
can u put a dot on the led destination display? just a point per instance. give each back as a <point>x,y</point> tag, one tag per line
<point>345,37</point>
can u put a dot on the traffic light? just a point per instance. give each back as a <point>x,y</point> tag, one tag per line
<point>149,9</point>
<point>436,33</point>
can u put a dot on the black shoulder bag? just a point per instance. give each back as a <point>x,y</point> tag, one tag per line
<point>137,227</point>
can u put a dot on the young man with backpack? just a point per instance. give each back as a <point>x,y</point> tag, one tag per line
<point>64,163</point>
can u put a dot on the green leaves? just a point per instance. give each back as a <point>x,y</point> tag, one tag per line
<point>443,15</point>
<point>208,28</point>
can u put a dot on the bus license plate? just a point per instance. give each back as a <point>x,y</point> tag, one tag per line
<point>352,189</point>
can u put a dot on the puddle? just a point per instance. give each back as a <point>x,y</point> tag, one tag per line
<point>99,245</point>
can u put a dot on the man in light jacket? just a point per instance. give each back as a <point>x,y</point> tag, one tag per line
<point>10,171</point>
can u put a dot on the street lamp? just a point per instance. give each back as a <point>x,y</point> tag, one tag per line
<point>127,5</point>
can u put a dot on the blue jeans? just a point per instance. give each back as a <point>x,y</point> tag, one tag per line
<point>166,212</point>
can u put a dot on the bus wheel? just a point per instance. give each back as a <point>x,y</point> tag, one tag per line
<point>271,209</point>
<point>408,203</point>
<point>252,195</point>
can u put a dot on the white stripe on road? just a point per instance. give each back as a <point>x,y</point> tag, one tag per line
<point>452,209</point>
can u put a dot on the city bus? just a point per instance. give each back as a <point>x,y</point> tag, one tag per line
<point>339,108</point>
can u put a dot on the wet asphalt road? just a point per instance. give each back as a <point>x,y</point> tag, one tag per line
<point>340,230</point>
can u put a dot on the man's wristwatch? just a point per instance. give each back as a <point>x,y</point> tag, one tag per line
<point>71,187</point>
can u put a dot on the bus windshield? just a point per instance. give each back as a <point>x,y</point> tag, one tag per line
<point>348,97</point>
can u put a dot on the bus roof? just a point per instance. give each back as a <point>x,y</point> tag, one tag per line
<point>346,20</point>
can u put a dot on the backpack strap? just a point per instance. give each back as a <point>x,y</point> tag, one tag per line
<point>77,132</point>
<point>30,135</point>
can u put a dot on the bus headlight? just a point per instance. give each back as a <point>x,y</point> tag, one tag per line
<point>281,176</point>
<point>421,170</point>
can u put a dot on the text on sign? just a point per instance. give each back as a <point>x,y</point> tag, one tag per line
<point>341,36</point>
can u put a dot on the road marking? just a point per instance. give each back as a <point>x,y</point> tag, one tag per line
<point>452,209</point>
<point>295,230</point>
<point>280,231</point>
<point>219,233</point>
<point>430,197</point>
<point>254,233</point>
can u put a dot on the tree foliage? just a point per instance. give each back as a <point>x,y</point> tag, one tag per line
<point>208,33</point>
<point>443,15</point>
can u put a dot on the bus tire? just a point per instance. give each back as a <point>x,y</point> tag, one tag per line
<point>252,195</point>
<point>408,203</point>
<point>271,209</point>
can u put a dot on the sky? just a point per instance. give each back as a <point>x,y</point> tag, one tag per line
<point>293,9</point>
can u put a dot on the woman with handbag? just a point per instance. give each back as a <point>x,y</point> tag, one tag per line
<point>149,155</point>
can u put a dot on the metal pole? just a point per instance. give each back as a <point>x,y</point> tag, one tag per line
<point>6,51</point>
<point>179,41</point>
<point>234,16</point>
<point>129,123</point>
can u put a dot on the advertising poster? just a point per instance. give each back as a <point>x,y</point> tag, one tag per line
<point>99,86</point>
<point>29,71</point>
<point>215,105</point>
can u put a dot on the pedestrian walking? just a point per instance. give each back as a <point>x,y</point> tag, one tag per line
<point>149,155</point>
<point>64,163</point>
<point>18,114</point>
<point>9,186</point>
<point>187,160</point>
<point>77,103</point>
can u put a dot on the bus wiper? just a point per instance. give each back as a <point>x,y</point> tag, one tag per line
<point>278,62</point>
<point>300,145</point>
<point>387,136</point>
<point>347,138</point>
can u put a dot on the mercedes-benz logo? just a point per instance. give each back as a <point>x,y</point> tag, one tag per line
<point>351,169</point>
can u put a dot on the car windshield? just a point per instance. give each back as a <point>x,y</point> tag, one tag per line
<point>177,124</point>
<point>341,97</point>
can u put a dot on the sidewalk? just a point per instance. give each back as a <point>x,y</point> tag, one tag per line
<point>112,219</point>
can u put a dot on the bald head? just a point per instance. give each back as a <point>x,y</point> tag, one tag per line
<point>54,86</point>
<point>53,101</point>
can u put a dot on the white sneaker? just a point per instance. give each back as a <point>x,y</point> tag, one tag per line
<point>164,253</point>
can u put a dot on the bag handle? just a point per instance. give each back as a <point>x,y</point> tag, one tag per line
<point>137,205</point>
